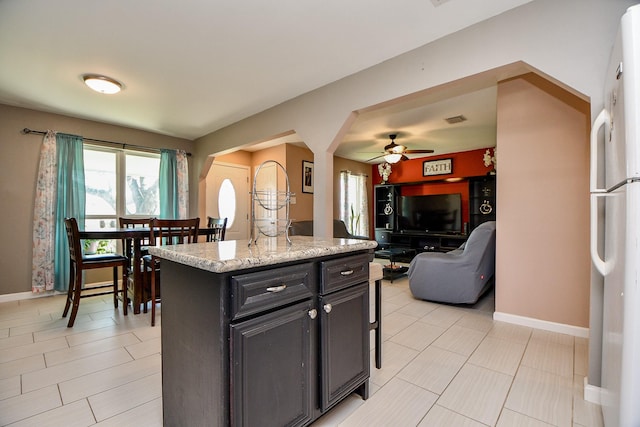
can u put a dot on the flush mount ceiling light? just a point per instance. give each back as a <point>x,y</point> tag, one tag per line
<point>102,84</point>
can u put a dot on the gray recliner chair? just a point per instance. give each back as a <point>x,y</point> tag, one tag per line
<point>460,276</point>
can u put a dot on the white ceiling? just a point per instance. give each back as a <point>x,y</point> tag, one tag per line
<point>190,67</point>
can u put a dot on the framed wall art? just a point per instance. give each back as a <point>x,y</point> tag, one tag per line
<point>307,177</point>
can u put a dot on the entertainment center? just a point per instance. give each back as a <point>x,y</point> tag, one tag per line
<point>438,221</point>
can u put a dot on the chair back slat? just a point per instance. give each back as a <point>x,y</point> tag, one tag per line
<point>219,226</point>
<point>174,231</point>
<point>136,223</point>
<point>73,237</point>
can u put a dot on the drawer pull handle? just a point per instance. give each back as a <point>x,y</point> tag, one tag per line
<point>327,308</point>
<point>313,313</point>
<point>276,289</point>
<point>347,272</point>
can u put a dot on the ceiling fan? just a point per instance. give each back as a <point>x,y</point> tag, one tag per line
<point>393,153</point>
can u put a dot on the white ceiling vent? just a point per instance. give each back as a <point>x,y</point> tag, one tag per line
<point>456,119</point>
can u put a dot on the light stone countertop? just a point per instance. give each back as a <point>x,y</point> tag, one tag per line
<point>231,255</point>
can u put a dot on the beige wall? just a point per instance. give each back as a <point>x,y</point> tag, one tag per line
<point>543,262</point>
<point>290,157</point>
<point>19,156</point>
<point>528,36</point>
<point>302,209</point>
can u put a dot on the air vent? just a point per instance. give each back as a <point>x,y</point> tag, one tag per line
<point>437,3</point>
<point>456,119</point>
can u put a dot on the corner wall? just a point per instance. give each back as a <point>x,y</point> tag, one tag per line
<point>543,262</point>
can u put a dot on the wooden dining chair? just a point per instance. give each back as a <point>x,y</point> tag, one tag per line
<point>127,247</point>
<point>167,232</point>
<point>219,227</point>
<point>80,262</point>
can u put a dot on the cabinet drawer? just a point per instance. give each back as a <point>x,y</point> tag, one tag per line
<point>343,272</point>
<point>264,290</point>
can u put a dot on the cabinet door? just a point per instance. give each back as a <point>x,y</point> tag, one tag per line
<point>271,368</point>
<point>482,200</point>
<point>384,207</point>
<point>344,342</point>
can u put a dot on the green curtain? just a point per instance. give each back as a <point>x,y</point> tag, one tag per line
<point>70,201</point>
<point>169,206</point>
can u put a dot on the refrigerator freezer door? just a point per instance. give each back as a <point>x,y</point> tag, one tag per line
<point>630,89</point>
<point>615,155</point>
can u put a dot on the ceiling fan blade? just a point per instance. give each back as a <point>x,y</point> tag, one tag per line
<point>376,157</point>
<point>418,151</point>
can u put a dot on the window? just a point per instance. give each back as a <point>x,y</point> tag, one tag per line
<point>354,210</point>
<point>227,202</point>
<point>119,183</point>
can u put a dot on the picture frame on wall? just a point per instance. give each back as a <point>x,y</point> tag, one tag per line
<point>437,167</point>
<point>307,177</point>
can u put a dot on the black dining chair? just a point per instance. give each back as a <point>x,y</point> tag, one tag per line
<point>219,228</point>
<point>167,232</point>
<point>80,262</point>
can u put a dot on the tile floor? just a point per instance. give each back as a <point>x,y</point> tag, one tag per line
<point>442,366</point>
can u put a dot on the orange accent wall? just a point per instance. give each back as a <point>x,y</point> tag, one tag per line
<point>464,164</point>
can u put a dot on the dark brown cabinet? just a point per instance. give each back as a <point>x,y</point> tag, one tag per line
<point>482,200</point>
<point>274,346</point>
<point>271,368</point>
<point>385,199</point>
<point>344,340</point>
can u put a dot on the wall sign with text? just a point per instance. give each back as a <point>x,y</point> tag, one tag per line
<point>437,167</point>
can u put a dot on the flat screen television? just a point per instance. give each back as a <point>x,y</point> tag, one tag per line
<point>437,213</point>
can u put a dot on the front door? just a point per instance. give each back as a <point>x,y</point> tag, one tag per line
<point>228,196</point>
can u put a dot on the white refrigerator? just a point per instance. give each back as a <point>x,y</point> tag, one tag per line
<point>615,225</point>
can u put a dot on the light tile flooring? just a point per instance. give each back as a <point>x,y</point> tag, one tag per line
<point>442,366</point>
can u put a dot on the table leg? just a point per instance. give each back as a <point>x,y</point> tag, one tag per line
<point>392,265</point>
<point>137,276</point>
<point>378,309</point>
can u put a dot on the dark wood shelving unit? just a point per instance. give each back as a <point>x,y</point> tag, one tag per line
<point>482,202</point>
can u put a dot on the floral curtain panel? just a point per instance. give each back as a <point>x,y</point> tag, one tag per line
<point>42,278</point>
<point>60,192</point>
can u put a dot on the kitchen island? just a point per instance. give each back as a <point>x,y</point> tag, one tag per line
<point>270,334</point>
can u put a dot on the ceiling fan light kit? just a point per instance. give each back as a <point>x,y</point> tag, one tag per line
<point>393,157</point>
<point>393,153</point>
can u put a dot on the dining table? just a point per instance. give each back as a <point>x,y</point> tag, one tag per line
<point>136,236</point>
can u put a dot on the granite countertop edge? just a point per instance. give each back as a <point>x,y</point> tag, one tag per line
<point>226,256</point>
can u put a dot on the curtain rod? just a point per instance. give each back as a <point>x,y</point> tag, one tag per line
<point>355,173</point>
<point>28,131</point>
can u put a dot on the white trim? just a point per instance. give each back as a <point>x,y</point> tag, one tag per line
<point>18,296</point>
<point>591,392</point>
<point>545,325</point>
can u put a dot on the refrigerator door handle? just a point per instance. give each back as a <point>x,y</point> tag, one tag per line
<point>604,267</point>
<point>603,119</point>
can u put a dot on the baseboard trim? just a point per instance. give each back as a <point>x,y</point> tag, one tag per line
<point>545,325</point>
<point>27,295</point>
<point>591,392</point>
